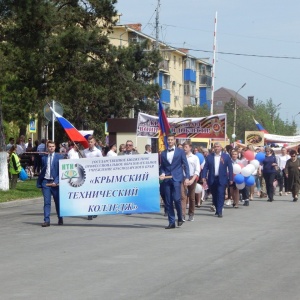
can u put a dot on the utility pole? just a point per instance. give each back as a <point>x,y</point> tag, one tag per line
<point>234,112</point>
<point>157,25</point>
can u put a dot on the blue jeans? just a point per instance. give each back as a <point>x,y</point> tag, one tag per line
<point>47,192</point>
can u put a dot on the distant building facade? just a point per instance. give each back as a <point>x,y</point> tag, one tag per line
<point>184,79</point>
<point>223,96</point>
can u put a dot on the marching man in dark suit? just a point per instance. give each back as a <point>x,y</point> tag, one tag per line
<point>217,169</point>
<point>173,161</point>
<point>48,181</point>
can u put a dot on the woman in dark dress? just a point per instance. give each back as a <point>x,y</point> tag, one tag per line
<point>292,168</point>
<point>269,171</point>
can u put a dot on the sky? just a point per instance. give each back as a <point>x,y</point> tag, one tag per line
<point>256,28</point>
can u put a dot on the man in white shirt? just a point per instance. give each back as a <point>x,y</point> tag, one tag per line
<point>194,166</point>
<point>281,176</point>
<point>73,152</point>
<point>112,150</point>
<point>92,150</point>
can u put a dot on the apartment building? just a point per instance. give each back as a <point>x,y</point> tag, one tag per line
<point>183,78</point>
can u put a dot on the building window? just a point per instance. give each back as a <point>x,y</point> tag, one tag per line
<point>190,88</point>
<point>202,69</point>
<point>174,61</point>
<point>190,64</point>
<point>166,82</point>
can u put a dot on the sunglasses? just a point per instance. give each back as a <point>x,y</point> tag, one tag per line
<point>129,144</point>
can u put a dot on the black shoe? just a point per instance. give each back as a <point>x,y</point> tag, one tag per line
<point>95,216</point>
<point>179,223</point>
<point>295,200</point>
<point>220,216</point>
<point>45,224</point>
<point>90,218</point>
<point>246,203</point>
<point>60,221</point>
<point>170,226</point>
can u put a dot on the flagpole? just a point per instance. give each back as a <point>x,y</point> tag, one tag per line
<point>53,118</point>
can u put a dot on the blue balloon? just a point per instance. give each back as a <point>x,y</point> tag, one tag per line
<point>250,180</point>
<point>201,157</point>
<point>239,178</point>
<point>260,156</point>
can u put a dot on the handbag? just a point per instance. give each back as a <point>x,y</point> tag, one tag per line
<point>23,175</point>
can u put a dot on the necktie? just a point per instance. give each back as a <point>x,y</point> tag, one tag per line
<point>50,163</point>
<point>170,150</point>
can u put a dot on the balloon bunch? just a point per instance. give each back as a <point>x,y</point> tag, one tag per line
<point>242,175</point>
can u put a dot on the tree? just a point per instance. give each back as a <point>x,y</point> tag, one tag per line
<point>60,50</point>
<point>264,112</point>
<point>195,111</point>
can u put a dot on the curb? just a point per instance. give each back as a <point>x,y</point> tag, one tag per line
<point>19,202</point>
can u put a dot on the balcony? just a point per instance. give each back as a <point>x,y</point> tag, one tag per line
<point>205,80</point>
<point>164,65</point>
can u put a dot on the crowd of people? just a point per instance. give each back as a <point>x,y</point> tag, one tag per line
<point>216,177</point>
<point>188,175</point>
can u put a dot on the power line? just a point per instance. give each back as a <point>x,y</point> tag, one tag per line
<point>255,72</point>
<point>245,54</point>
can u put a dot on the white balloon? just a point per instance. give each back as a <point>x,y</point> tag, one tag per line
<point>247,171</point>
<point>255,163</point>
<point>236,169</point>
<point>198,189</point>
<point>251,167</point>
<point>240,186</point>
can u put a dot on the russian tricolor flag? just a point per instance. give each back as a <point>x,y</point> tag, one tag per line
<point>260,127</point>
<point>70,130</point>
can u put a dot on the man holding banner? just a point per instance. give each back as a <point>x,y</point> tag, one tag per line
<point>173,161</point>
<point>48,181</point>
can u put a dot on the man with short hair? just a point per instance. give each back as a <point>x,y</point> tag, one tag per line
<point>10,144</point>
<point>194,166</point>
<point>92,151</point>
<point>173,163</point>
<point>147,149</point>
<point>29,141</point>
<point>112,150</point>
<point>42,147</point>
<point>48,181</point>
<point>129,150</point>
<point>216,166</point>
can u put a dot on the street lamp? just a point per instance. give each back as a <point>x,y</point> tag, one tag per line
<point>295,116</point>
<point>272,115</point>
<point>234,114</point>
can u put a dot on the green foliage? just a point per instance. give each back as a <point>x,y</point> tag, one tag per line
<point>59,50</point>
<point>24,190</point>
<point>266,113</point>
<point>195,111</point>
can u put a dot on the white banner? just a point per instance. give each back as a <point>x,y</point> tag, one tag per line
<point>109,185</point>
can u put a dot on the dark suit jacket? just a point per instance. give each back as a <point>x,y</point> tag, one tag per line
<point>225,166</point>
<point>179,163</point>
<point>54,169</point>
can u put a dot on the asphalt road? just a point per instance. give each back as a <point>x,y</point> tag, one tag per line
<point>251,253</point>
